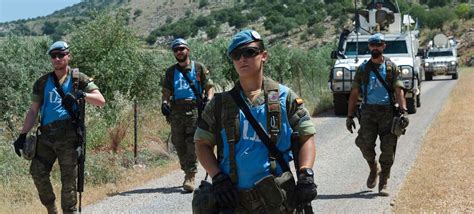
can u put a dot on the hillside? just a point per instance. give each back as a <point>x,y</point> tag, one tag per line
<point>294,23</point>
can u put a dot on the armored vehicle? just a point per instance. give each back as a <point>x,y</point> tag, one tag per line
<point>402,48</point>
<point>441,58</point>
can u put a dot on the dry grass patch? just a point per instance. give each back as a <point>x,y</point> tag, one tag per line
<point>442,180</point>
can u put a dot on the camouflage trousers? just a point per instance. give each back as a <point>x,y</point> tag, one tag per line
<point>183,126</point>
<point>58,141</point>
<point>376,120</point>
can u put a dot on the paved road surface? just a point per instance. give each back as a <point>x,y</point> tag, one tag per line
<point>340,170</point>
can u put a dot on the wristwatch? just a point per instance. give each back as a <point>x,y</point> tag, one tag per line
<point>307,171</point>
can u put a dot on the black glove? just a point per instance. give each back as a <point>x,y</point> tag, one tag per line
<point>350,124</point>
<point>71,98</point>
<point>306,188</point>
<point>165,109</point>
<point>224,190</point>
<point>19,143</point>
<point>404,119</point>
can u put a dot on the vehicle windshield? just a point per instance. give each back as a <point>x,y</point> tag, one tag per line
<point>393,47</point>
<point>440,53</point>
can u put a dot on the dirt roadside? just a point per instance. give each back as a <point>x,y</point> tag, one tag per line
<point>442,179</point>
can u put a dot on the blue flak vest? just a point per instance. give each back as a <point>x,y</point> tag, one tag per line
<point>182,90</point>
<point>52,110</point>
<point>376,93</point>
<point>251,154</point>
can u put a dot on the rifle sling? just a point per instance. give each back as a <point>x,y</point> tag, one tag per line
<point>274,152</point>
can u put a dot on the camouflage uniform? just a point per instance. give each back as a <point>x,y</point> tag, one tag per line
<point>253,200</point>
<point>58,140</point>
<point>376,120</point>
<point>184,116</point>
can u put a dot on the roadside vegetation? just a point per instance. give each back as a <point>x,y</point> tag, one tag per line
<point>441,181</point>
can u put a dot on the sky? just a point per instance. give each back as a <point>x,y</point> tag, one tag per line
<point>11,10</point>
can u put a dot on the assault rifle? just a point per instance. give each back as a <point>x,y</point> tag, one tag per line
<point>295,148</point>
<point>81,149</point>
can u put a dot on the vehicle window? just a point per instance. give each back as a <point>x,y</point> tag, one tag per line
<point>439,53</point>
<point>393,47</point>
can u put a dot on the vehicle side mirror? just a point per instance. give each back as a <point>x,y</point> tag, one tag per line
<point>333,54</point>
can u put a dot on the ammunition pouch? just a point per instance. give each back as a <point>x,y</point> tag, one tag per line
<point>29,148</point>
<point>278,193</point>
<point>203,200</point>
<point>397,126</point>
<point>270,193</point>
<point>287,185</point>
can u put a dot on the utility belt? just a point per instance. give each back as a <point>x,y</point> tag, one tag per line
<point>57,126</point>
<point>270,195</point>
<point>184,105</point>
<point>377,107</point>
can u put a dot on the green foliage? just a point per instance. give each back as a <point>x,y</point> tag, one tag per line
<point>212,32</point>
<point>463,10</point>
<point>203,3</point>
<point>438,16</point>
<point>21,62</point>
<point>436,3</point>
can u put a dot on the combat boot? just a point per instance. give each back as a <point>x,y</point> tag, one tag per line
<point>51,208</point>
<point>188,184</point>
<point>374,172</point>
<point>383,191</point>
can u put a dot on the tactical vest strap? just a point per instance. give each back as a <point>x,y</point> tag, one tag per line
<point>230,121</point>
<point>272,96</point>
<point>75,78</point>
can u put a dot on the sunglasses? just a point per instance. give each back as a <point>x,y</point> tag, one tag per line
<point>376,44</point>
<point>247,52</point>
<point>178,49</point>
<point>57,55</point>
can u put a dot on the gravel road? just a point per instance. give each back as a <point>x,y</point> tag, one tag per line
<point>340,170</point>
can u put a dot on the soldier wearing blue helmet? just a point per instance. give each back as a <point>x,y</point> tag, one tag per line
<point>379,82</point>
<point>186,88</point>
<point>252,127</point>
<point>55,98</point>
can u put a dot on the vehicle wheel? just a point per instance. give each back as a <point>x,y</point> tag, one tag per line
<point>418,103</point>
<point>428,76</point>
<point>411,105</point>
<point>340,104</point>
<point>455,76</point>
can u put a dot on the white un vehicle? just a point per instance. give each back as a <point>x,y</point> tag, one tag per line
<point>401,47</point>
<point>441,58</point>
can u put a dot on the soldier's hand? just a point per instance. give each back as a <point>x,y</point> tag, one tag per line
<point>224,190</point>
<point>404,119</point>
<point>71,98</point>
<point>306,188</point>
<point>19,143</point>
<point>350,124</point>
<point>165,109</point>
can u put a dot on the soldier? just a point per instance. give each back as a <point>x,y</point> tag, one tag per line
<point>182,103</point>
<point>250,173</point>
<point>52,95</point>
<point>377,110</point>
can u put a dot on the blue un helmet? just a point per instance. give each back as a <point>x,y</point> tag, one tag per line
<point>376,38</point>
<point>179,42</point>
<point>242,38</point>
<point>60,46</point>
